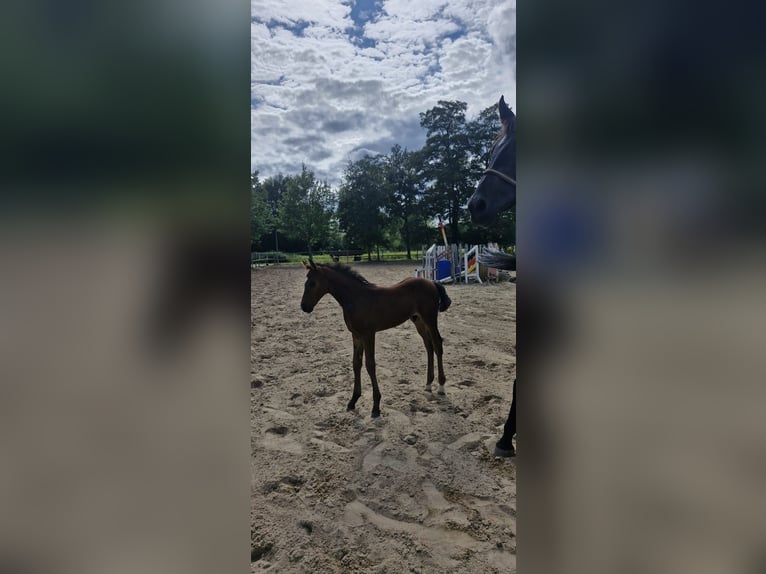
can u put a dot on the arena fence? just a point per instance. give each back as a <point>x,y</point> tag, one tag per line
<point>266,258</point>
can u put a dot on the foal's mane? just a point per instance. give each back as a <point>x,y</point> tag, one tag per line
<point>348,272</point>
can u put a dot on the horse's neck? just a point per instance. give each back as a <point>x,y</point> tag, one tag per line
<point>344,289</point>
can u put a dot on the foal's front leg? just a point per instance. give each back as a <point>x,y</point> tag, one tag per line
<point>358,350</point>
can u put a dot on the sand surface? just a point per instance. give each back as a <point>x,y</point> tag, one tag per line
<point>416,490</point>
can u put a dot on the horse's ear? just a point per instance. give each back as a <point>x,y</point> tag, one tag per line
<point>506,115</point>
<point>306,265</point>
<point>313,265</point>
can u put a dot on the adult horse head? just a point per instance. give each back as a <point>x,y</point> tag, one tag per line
<point>496,191</point>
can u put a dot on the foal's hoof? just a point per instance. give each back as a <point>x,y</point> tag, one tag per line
<point>440,390</point>
<point>350,407</point>
<point>375,414</point>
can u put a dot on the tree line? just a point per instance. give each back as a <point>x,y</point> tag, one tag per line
<point>388,201</point>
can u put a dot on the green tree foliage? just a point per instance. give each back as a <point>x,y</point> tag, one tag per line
<point>362,201</point>
<point>307,210</point>
<point>405,187</point>
<point>260,211</point>
<point>447,162</point>
<point>274,187</point>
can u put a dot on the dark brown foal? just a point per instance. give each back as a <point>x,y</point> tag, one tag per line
<point>368,309</point>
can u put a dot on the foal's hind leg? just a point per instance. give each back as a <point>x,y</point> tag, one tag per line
<point>423,331</point>
<point>369,362</point>
<point>358,351</point>
<point>436,341</point>
<point>439,352</point>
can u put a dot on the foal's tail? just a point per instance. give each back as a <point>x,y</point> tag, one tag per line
<point>444,300</point>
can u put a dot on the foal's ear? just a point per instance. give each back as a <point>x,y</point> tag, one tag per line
<point>305,264</point>
<point>313,265</point>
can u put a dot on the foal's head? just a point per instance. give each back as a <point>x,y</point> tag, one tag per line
<point>496,191</point>
<point>315,288</point>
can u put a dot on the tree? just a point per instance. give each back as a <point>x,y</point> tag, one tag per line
<point>447,158</point>
<point>404,184</point>
<point>361,203</point>
<point>260,212</point>
<point>274,188</point>
<point>307,209</point>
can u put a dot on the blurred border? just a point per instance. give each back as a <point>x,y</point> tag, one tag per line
<point>640,282</point>
<point>124,164</point>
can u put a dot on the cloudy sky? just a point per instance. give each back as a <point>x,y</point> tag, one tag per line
<point>335,79</point>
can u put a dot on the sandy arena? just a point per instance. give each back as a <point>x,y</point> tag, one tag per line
<point>416,490</point>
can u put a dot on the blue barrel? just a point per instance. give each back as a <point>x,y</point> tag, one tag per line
<point>443,268</point>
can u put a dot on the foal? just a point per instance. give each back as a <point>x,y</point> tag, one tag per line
<point>368,309</point>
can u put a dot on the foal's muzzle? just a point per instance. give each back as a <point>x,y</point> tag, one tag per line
<point>306,307</point>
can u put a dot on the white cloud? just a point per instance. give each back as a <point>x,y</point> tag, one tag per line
<point>502,29</point>
<point>410,33</point>
<point>409,10</point>
<point>321,96</point>
<point>329,13</point>
<point>462,58</point>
